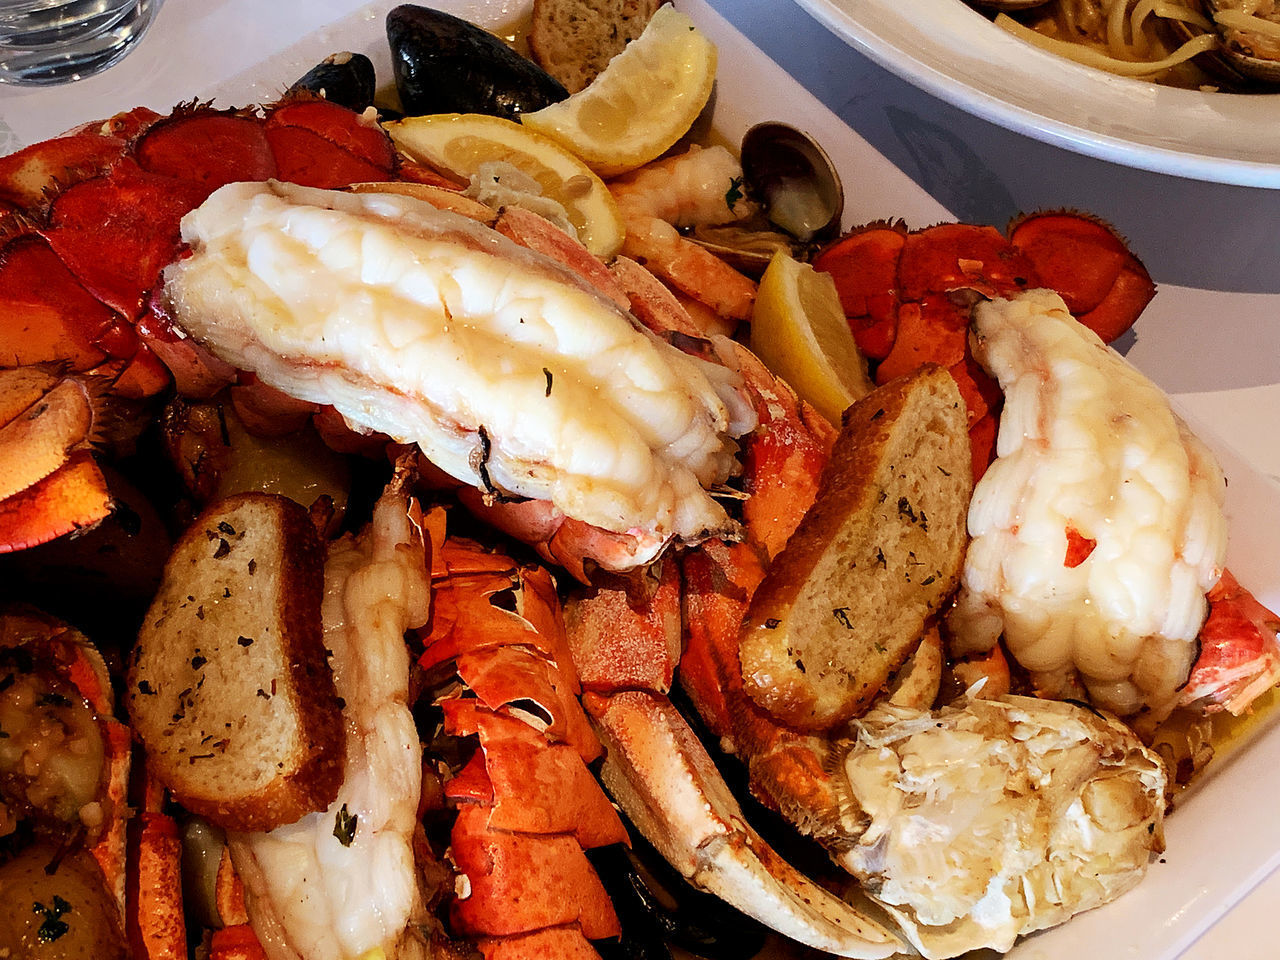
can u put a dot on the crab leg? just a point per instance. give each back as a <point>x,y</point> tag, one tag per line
<point>665,780</point>
<point>155,923</point>
<point>655,767</point>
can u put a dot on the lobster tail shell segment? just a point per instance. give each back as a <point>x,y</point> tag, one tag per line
<point>528,807</point>
<point>210,147</point>
<point>1089,264</point>
<point>49,483</point>
<point>27,176</point>
<point>46,315</point>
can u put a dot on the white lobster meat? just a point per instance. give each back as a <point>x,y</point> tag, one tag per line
<point>1099,529</point>
<point>510,372</point>
<point>341,883</point>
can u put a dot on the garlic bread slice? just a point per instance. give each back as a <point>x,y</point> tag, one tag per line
<point>847,599</point>
<point>229,683</point>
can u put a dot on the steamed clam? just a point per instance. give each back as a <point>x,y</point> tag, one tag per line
<point>1249,31</point>
<point>800,195</point>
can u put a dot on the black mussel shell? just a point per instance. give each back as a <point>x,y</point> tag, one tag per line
<point>444,64</point>
<point>344,78</point>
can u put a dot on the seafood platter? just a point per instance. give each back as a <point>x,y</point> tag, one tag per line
<point>498,513</point>
<point>954,52</point>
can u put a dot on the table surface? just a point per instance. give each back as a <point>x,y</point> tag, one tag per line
<point>1211,247</point>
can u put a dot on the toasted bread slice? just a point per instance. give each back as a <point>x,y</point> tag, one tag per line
<point>229,684</point>
<point>847,599</point>
<point>573,40</point>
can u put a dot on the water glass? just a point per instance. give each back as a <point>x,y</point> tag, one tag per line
<point>55,41</point>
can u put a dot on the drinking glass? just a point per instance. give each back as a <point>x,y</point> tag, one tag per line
<point>55,41</point>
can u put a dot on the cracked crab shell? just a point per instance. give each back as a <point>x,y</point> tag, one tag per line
<point>990,819</point>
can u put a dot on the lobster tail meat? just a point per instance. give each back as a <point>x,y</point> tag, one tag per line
<point>509,372</point>
<point>907,294</point>
<point>1089,449</point>
<point>342,882</point>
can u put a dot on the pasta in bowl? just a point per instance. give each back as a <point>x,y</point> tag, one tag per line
<point>954,52</point>
<point>1230,45</point>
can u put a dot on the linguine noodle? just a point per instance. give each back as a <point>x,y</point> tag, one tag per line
<point>1150,39</point>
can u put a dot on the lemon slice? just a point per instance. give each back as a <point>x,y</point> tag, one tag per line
<point>798,329</point>
<point>644,100</point>
<point>459,143</point>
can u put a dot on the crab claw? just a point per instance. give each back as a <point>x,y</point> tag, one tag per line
<point>659,772</point>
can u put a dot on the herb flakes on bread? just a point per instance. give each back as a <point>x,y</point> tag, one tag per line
<point>846,601</point>
<point>229,684</point>
<point>573,40</point>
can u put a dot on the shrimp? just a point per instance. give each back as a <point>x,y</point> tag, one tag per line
<point>1099,529</point>
<point>342,883</point>
<point>702,187</point>
<point>510,372</point>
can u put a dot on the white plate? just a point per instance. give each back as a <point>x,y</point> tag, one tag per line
<point>1226,837</point>
<point>959,56</point>
<point>1214,858</point>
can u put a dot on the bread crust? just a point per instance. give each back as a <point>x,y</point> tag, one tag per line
<point>848,598</point>
<point>262,744</point>
<point>574,40</point>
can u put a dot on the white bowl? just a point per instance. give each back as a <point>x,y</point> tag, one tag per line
<point>956,54</point>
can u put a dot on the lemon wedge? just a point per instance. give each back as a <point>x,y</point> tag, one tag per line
<point>458,143</point>
<point>798,329</point>
<point>644,100</point>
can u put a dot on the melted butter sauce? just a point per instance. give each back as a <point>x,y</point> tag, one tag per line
<point>1222,733</point>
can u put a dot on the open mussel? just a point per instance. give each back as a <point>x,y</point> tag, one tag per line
<point>443,64</point>
<point>800,196</point>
